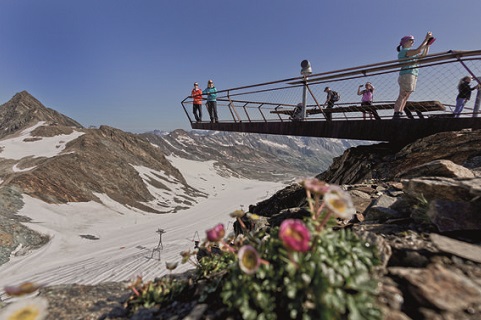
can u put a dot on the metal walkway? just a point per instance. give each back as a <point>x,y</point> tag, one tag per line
<point>267,107</point>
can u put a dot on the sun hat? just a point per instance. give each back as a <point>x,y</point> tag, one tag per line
<point>406,39</point>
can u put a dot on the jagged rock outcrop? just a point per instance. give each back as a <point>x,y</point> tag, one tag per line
<point>438,168</point>
<point>389,162</point>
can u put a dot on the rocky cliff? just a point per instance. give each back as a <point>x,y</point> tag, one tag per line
<point>421,206</point>
<point>388,162</point>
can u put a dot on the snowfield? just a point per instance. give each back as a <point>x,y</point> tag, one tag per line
<point>93,243</point>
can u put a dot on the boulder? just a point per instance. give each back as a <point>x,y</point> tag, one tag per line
<point>437,168</point>
<point>450,216</point>
<point>439,288</point>
<point>443,188</point>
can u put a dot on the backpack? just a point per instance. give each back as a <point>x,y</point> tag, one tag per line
<point>335,96</point>
<point>297,114</point>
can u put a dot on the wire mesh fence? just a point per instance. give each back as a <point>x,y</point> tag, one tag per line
<point>435,94</point>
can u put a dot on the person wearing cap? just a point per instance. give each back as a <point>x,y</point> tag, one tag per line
<point>329,101</point>
<point>367,97</point>
<point>211,93</point>
<point>197,103</point>
<point>409,73</point>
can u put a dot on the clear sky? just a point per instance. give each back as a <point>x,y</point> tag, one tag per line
<point>129,63</point>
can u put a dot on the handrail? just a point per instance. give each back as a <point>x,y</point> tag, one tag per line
<point>391,64</point>
<point>438,82</point>
<point>386,65</point>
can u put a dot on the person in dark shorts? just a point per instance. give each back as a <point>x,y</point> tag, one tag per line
<point>464,94</point>
<point>211,93</point>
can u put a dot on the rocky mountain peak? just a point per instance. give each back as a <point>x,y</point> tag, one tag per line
<point>49,156</point>
<point>24,96</point>
<point>23,111</point>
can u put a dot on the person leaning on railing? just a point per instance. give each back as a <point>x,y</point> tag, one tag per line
<point>464,94</point>
<point>409,73</point>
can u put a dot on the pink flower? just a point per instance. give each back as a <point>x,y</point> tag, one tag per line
<point>216,234</point>
<point>295,235</point>
<point>249,260</point>
<point>315,186</point>
<point>22,289</point>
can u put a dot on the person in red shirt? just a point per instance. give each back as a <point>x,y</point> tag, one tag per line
<point>197,96</point>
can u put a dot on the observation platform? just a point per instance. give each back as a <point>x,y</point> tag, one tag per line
<point>268,108</point>
<point>396,131</point>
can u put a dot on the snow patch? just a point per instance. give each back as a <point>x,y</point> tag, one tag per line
<point>18,148</point>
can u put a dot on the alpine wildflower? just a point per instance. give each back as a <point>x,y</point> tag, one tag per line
<point>295,235</point>
<point>315,186</point>
<point>216,233</point>
<point>22,289</point>
<point>249,260</point>
<point>339,202</point>
<point>171,265</point>
<point>26,309</point>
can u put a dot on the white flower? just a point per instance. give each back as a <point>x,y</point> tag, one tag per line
<point>339,202</point>
<point>26,309</point>
<point>249,260</point>
<point>171,265</point>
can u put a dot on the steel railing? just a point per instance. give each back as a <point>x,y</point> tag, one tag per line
<point>439,75</point>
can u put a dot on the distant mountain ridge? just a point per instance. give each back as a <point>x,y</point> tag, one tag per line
<point>254,156</point>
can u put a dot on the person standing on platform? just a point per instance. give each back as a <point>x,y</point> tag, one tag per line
<point>464,94</point>
<point>211,93</point>
<point>409,73</point>
<point>197,103</point>
<point>331,98</point>
<point>367,97</point>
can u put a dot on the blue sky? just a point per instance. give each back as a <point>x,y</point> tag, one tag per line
<point>129,63</point>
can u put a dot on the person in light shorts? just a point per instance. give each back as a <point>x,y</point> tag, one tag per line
<point>407,82</point>
<point>409,73</point>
